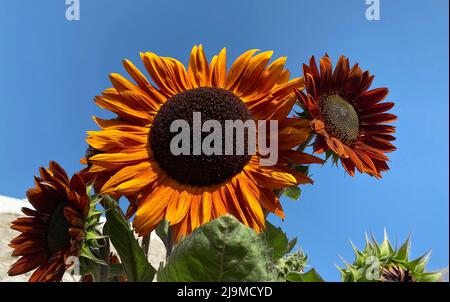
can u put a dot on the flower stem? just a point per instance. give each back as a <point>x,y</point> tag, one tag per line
<point>146,244</point>
<point>169,243</point>
<point>104,269</point>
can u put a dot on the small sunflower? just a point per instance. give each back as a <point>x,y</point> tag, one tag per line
<point>55,229</point>
<point>350,121</point>
<point>133,155</point>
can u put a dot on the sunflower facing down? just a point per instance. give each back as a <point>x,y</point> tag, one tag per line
<point>54,229</point>
<point>191,190</point>
<point>349,120</point>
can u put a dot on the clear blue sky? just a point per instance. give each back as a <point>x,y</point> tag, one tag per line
<point>50,69</point>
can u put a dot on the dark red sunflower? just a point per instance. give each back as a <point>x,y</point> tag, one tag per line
<point>54,229</point>
<point>350,120</point>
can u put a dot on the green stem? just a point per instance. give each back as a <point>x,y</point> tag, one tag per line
<point>104,269</point>
<point>146,244</point>
<point>169,246</point>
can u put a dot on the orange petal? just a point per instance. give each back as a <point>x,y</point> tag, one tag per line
<point>198,69</point>
<point>178,208</point>
<point>151,209</point>
<point>237,68</point>
<point>131,179</point>
<point>106,140</point>
<point>272,178</point>
<point>119,160</point>
<point>218,69</point>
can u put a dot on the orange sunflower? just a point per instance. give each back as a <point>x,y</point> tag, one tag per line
<point>133,156</point>
<point>54,229</point>
<point>349,120</point>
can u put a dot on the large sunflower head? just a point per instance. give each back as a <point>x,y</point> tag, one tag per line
<point>55,229</point>
<point>349,119</point>
<point>134,158</point>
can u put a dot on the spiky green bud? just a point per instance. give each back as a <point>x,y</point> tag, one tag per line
<point>293,262</point>
<point>382,262</point>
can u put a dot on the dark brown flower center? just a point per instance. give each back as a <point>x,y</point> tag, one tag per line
<point>396,274</point>
<point>341,119</point>
<point>58,236</point>
<point>199,169</point>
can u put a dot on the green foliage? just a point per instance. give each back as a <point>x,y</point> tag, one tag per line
<point>90,251</point>
<point>309,276</point>
<point>221,250</point>
<point>276,240</point>
<point>288,266</point>
<point>293,263</point>
<point>375,261</point>
<point>162,230</point>
<point>293,192</point>
<point>334,157</point>
<point>134,261</point>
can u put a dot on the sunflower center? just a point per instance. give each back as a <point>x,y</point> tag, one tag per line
<point>58,237</point>
<point>200,169</point>
<point>341,119</point>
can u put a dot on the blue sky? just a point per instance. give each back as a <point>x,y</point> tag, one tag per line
<point>51,69</point>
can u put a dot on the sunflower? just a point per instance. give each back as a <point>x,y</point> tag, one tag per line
<point>133,149</point>
<point>54,229</point>
<point>350,121</point>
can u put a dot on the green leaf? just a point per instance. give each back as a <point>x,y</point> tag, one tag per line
<point>134,261</point>
<point>94,236</point>
<point>221,250</point>
<point>291,244</point>
<point>162,230</point>
<point>310,276</point>
<point>328,154</point>
<point>276,240</point>
<point>88,254</point>
<point>403,252</point>
<point>293,192</point>
<point>432,277</point>
<point>302,169</point>
<point>116,270</point>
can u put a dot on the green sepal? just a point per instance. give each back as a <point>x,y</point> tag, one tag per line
<point>302,169</point>
<point>87,253</point>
